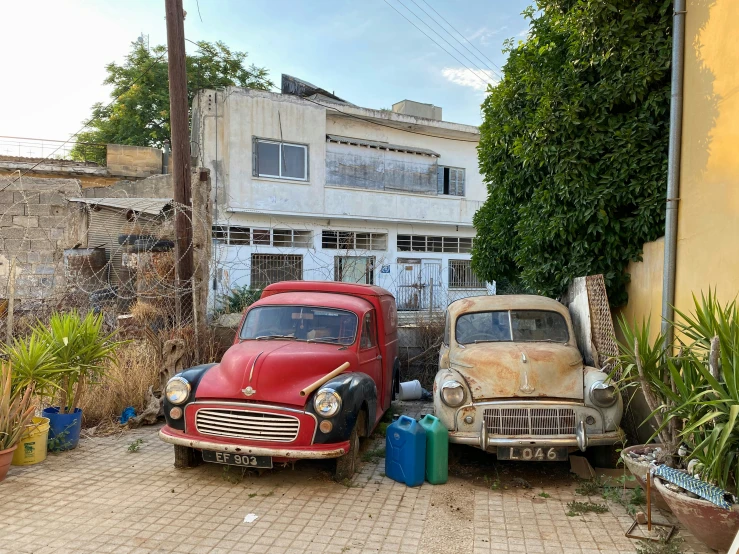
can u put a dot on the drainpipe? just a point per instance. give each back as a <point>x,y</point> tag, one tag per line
<point>673,170</point>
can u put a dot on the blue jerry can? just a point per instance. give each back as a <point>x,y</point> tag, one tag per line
<point>405,451</point>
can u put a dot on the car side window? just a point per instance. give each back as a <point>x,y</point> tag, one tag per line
<point>368,339</point>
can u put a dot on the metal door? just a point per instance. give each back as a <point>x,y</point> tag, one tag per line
<point>419,284</point>
<point>431,280</point>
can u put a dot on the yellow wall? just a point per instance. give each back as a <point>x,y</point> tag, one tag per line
<point>708,216</point>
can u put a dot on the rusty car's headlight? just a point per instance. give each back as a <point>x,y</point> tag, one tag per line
<point>603,395</point>
<point>327,402</point>
<point>177,390</point>
<point>452,393</point>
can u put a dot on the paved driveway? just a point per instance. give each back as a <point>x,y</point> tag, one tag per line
<point>102,498</point>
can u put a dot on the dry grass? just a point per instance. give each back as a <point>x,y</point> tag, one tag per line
<point>125,384</point>
<point>424,366</point>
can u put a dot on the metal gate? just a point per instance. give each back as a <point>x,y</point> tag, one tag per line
<point>419,284</point>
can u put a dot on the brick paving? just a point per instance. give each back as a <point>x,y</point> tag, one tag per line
<point>102,498</point>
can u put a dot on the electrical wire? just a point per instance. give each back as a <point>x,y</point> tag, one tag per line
<point>485,71</point>
<point>460,34</point>
<point>87,123</point>
<point>437,44</point>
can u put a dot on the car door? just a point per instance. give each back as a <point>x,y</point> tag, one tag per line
<point>370,360</point>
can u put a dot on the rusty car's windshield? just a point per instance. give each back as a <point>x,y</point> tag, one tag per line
<point>511,325</point>
<point>307,323</point>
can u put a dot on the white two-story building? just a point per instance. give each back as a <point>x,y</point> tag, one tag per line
<point>309,186</point>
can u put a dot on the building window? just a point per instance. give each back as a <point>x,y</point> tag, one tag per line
<point>461,276</point>
<point>355,269</point>
<point>280,160</point>
<point>450,180</point>
<point>425,243</point>
<point>351,240</point>
<point>245,236</point>
<point>272,268</point>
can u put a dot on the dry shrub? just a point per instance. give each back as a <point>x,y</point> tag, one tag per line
<point>423,362</point>
<point>125,384</point>
<point>203,349</point>
<point>144,313</point>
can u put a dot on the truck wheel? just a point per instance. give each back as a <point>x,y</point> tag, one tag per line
<point>347,464</point>
<point>186,457</point>
<point>396,385</point>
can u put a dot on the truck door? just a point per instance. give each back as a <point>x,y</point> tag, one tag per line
<point>370,360</point>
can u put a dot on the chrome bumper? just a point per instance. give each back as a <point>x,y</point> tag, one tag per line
<point>294,453</point>
<point>580,440</point>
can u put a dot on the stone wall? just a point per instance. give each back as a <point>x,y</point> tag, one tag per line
<point>36,225</point>
<point>133,161</point>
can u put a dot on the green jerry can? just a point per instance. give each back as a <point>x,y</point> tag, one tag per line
<point>437,450</point>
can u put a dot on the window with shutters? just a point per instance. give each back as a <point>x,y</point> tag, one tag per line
<point>450,180</point>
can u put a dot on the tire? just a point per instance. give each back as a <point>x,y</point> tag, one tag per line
<point>186,457</point>
<point>603,456</point>
<point>396,385</point>
<point>346,466</point>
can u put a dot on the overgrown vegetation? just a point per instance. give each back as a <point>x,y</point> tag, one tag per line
<point>240,298</point>
<point>140,115</point>
<point>663,546</point>
<point>580,508</point>
<point>573,146</point>
<point>423,365</point>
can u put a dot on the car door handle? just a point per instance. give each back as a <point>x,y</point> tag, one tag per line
<point>379,357</point>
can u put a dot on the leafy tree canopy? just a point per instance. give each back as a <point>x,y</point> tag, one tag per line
<point>140,117</point>
<point>574,145</point>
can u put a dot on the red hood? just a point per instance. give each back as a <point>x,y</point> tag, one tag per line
<point>276,370</point>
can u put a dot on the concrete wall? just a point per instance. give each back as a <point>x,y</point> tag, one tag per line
<point>709,188</point>
<point>133,161</point>
<point>36,225</point>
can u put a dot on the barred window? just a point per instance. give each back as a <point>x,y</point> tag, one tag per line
<point>352,240</point>
<point>245,236</point>
<point>273,268</point>
<point>424,243</point>
<point>461,275</point>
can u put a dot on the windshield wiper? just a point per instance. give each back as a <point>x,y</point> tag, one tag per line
<point>329,340</point>
<point>261,337</point>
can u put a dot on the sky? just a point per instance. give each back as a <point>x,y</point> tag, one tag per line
<point>53,52</point>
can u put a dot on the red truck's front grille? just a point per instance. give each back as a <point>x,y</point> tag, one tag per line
<point>247,424</point>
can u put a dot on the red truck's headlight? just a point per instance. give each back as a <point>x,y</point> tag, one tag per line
<point>327,402</point>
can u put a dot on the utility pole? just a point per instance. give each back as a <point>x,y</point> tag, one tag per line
<point>178,120</point>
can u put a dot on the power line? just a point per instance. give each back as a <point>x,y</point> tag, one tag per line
<point>485,71</point>
<point>88,121</point>
<point>478,58</point>
<point>437,44</point>
<point>461,35</point>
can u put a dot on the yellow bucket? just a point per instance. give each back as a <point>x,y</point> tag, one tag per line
<point>32,446</point>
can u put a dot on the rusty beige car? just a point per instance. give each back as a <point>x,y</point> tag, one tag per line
<point>512,382</point>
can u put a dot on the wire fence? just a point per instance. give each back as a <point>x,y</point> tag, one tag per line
<point>34,150</point>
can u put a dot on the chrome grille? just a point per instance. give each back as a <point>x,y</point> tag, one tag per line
<point>249,425</point>
<point>530,421</point>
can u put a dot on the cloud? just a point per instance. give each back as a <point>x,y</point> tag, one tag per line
<point>524,33</point>
<point>484,35</point>
<point>464,77</point>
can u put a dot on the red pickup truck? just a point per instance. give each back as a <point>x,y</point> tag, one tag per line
<point>313,367</point>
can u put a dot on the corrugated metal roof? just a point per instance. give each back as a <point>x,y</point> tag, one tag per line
<point>382,145</point>
<point>152,206</point>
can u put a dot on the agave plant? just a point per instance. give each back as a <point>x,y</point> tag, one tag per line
<point>33,364</point>
<point>16,411</point>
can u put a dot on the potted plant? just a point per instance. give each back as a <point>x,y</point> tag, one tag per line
<point>706,409</point>
<point>81,350</point>
<point>16,412</point>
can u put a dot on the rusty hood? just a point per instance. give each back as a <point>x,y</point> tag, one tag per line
<point>520,370</point>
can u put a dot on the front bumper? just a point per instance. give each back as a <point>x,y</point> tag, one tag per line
<point>579,441</point>
<point>311,452</point>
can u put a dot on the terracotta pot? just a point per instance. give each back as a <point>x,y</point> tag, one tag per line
<point>6,456</point>
<point>639,470</point>
<point>713,526</point>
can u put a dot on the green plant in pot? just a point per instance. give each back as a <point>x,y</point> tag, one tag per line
<point>705,410</point>
<point>16,412</point>
<point>81,352</point>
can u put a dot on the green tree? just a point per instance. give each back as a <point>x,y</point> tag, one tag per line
<point>140,117</point>
<point>574,144</point>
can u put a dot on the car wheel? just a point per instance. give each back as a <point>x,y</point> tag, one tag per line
<point>186,457</point>
<point>396,385</point>
<point>347,464</point>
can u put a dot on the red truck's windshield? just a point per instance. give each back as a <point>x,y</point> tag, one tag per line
<point>300,323</point>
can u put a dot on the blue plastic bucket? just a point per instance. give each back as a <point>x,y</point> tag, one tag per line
<point>64,428</point>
